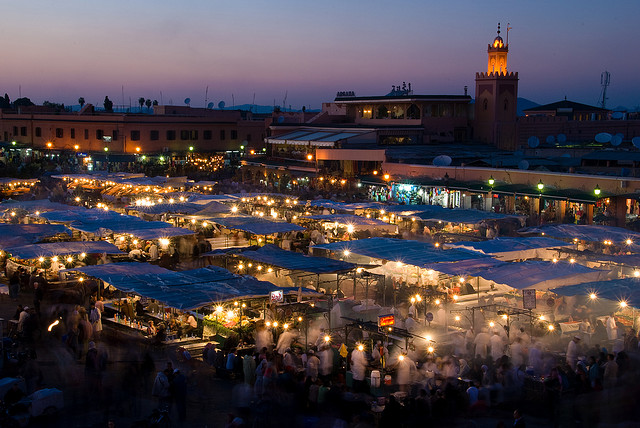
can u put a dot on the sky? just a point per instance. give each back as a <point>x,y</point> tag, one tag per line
<point>295,53</point>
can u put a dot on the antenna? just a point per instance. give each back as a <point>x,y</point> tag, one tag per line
<point>161,98</point>
<point>284,101</point>
<point>605,81</point>
<point>206,95</point>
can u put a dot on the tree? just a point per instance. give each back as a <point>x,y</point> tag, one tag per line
<point>23,102</point>
<point>108,105</point>
<point>141,102</point>
<point>155,103</point>
<point>5,102</point>
<point>81,102</point>
<point>148,104</point>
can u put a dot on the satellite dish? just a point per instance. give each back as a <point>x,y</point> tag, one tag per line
<point>221,105</point>
<point>603,137</point>
<point>616,140</point>
<point>617,115</point>
<point>187,101</point>
<point>523,164</point>
<point>561,138</point>
<point>550,139</point>
<point>533,142</point>
<point>636,142</point>
<point>280,119</point>
<point>442,160</point>
<point>210,106</point>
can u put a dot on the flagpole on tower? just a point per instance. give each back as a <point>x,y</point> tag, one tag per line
<point>508,28</point>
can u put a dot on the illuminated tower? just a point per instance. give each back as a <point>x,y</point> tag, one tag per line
<point>496,99</point>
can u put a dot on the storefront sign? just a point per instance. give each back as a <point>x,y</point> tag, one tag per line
<point>277,296</point>
<point>529,299</point>
<point>386,320</point>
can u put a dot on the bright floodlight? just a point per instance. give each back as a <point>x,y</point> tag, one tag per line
<point>346,252</point>
<point>437,301</point>
<point>401,357</point>
<point>551,327</point>
<point>360,347</point>
<point>350,228</point>
<point>430,349</point>
<point>623,304</point>
<point>219,309</point>
<point>327,338</point>
<point>592,296</point>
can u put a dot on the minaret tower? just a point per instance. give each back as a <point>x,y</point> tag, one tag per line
<point>496,99</point>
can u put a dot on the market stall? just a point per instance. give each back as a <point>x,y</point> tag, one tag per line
<point>515,248</point>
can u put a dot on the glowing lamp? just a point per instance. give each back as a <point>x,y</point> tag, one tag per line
<point>456,297</point>
<point>623,304</point>
<point>401,358</point>
<point>69,259</point>
<point>286,326</point>
<point>596,191</point>
<point>413,300</point>
<point>268,324</point>
<point>54,258</point>
<point>53,324</point>
<point>240,266</point>
<point>41,259</point>
<point>83,255</point>
<point>387,176</point>
<point>275,323</point>
<point>360,347</point>
<point>350,228</point>
<point>310,156</point>
<point>418,298</point>
<point>492,324</point>
<point>219,309</point>
<point>437,302</point>
<point>346,252</point>
<point>636,273</point>
<point>457,317</point>
<point>235,303</point>
<point>551,327</point>
<point>491,181</point>
<point>299,319</point>
<point>592,296</point>
<point>77,198</point>
<point>540,185</point>
<point>430,349</point>
<point>327,338</point>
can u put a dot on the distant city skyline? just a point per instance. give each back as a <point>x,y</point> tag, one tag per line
<point>307,51</point>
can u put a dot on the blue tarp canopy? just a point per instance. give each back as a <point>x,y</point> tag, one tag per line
<point>467,267</point>
<point>541,275</point>
<point>41,205</point>
<point>100,223</point>
<point>161,208</point>
<point>355,220</point>
<point>511,245</point>
<point>344,206</point>
<point>587,232</point>
<point>406,251</point>
<point>272,255</point>
<point>617,290</point>
<point>33,251</point>
<point>190,289</point>
<point>460,216</point>
<point>14,235</point>
<point>407,210</point>
<point>256,225</point>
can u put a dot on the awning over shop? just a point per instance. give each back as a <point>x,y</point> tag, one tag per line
<point>14,235</point>
<point>401,250</point>
<point>50,249</point>
<point>460,216</point>
<point>541,275</point>
<point>589,233</point>
<point>618,290</point>
<point>272,255</point>
<point>162,208</point>
<point>618,259</point>
<point>256,225</point>
<point>190,289</point>
<point>513,248</point>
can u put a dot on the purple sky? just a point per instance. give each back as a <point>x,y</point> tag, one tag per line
<point>59,51</point>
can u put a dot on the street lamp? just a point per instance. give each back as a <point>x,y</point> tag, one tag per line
<point>596,191</point>
<point>540,185</point>
<point>491,181</point>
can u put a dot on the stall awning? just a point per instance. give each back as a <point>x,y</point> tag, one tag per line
<point>541,275</point>
<point>190,289</point>
<point>589,233</point>
<point>255,225</point>
<point>41,205</point>
<point>513,248</point>
<point>348,219</point>
<point>343,206</point>
<point>618,290</point>
<point>460,216</point>
<point>406,251</point>
<point>33,251</point>
<point>14,235</point>
<point>272,255</point>
<point>467,267</point>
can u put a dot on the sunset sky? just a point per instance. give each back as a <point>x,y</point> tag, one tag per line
<point>59,51</point>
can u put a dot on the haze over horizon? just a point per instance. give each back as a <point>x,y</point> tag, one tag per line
<point>308,51</point>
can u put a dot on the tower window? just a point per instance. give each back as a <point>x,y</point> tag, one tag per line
<point>506,105</point>
<point>485,104</point>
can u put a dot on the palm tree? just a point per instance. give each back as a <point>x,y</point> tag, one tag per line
<point>141,102</point>
<point>81,102</point>
<point>148,104</point>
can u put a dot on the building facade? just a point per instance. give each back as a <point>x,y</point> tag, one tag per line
<point>170,129</point>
